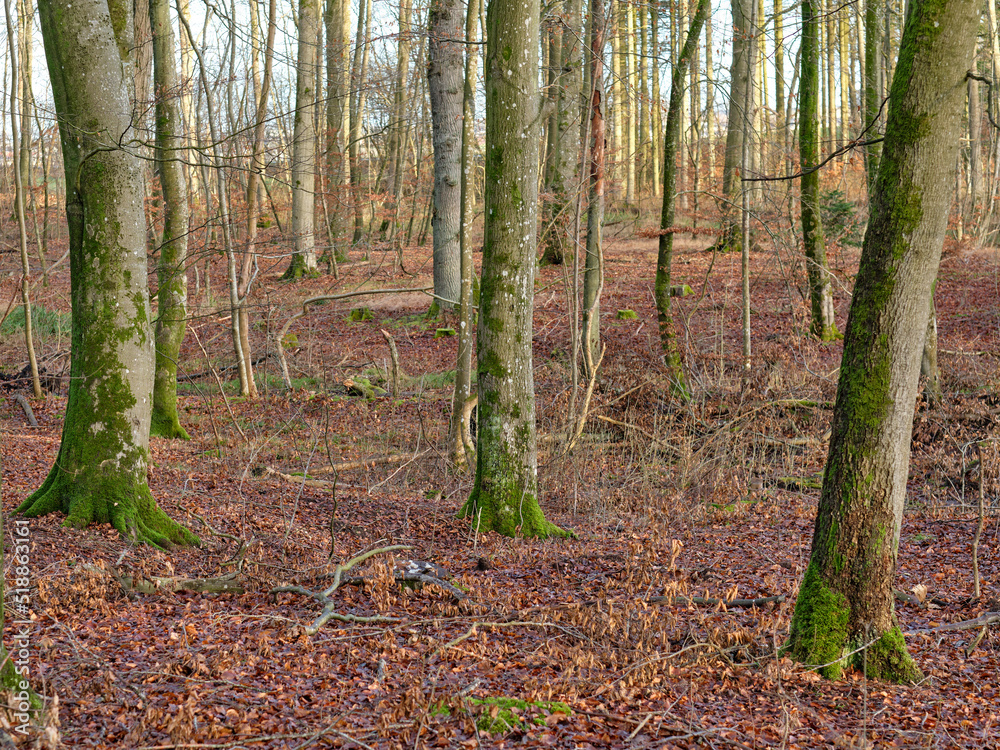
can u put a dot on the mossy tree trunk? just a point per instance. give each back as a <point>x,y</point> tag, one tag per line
<point>665,254</point>
<point>823,324</point>
<point>444,82</point>
<point>171,268</point>
<point>563,153</point>
<point>100,472</point>
<point>505,495</point>
<point>845,613</point>
<point>304,145</point>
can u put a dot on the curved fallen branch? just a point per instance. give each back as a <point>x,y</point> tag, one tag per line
<point>678,599</point>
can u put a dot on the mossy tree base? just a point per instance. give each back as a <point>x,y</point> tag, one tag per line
<point>511,517</point>
<point>820,638</point>
<point>167,426</point>
<point>127,505</point>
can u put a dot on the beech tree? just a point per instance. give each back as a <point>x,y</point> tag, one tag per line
<point>845,613</point>
<point>505,495</point>
<point>100,473</point>
<point>170,269</point>
<point>304,145</point>
<point>445,75</point>
<point>823,325</point>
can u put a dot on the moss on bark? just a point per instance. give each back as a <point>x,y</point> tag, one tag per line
<point>819,625</point>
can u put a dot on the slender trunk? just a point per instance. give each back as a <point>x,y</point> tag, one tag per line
<point>359,74</point>
<point>664,260</point>
<point>22,230</point>
<point>304,145</point>
<point>823,324</point>
<point>462,451</point>
<point>171,268</point>
<point>593,275</point>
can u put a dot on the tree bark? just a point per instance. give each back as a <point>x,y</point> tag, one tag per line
<point>845,614</point>
<point>823,324</point>
<point>462,452</point>
<point>304,146</point>
<point>737,125</point>
<point>100,473</point>
<point>665,254</point>
<point>505,495</point>
<point>171,268</point>
<point>444,82</point>
<point>593,274</point>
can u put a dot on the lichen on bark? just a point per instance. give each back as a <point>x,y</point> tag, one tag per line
<point>100,473</point>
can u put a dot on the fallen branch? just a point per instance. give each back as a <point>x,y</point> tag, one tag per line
<point>366,463</point>
<point>229,583</point>
<point>678,599</point>
<point>329,606</point>
<point>666,446</point>
<point>983,620</point>
<point>26,407</point>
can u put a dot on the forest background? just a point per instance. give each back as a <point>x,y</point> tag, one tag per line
<point>326,417</point>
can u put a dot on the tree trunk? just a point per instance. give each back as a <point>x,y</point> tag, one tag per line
<point>359,74</point>
<point>823,324</point>
<point>100,473</point>
<point>665,254</point>
<point>737,125</point>
<point>845,614</point>
<point>171,268</point>
<point>462,451</point>
<point>505,495</point>
<point>593,274</point>
<point>338,69</point>
<point>873,90</point>
<point>444,81</point>
<point>304,145</point>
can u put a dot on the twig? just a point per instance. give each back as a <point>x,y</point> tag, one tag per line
<point>666,446</point>
<point>979,526</point>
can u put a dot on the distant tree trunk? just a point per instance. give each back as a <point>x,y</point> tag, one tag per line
<point>100,473</point>
<point>171,268</point>
<point>505,495</point>
<point>593,275</point>
<point>304,145</point>
<point>873,89</point>
<point>617,99</point>
<point>929,360</point>
<point>19,182</point>
<point>359,74</point>
<point>462,451</point>
<point>665,254</point>
<point>255,176</point>
<point>730,238</point>
<point>396,149</point>
<point>444,81</point>
<point>823,324</point>
<point>563,155</point>
<point>337,107</point>
<point>845,614</point>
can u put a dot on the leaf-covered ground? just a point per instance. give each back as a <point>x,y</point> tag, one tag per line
<point>599,640</point>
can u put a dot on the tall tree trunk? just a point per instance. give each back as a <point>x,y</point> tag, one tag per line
<point>844,614</point>
<point>737,125</point>
<point>255,177</point>
<point>171,268</point>
<point>873,89</point>
<point>665,254</point>
<point>593,275</point>
<point>304,145</point>
<point>563,157</point>
<point>505,495</point>
<point>100,473</point>
<point>338,69</point>
<point>823,324</point>
<point>462,451</point>
<point>359,74</point>
<point>444,81</point>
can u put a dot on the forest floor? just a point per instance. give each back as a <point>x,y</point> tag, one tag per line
<point>594,642</point>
